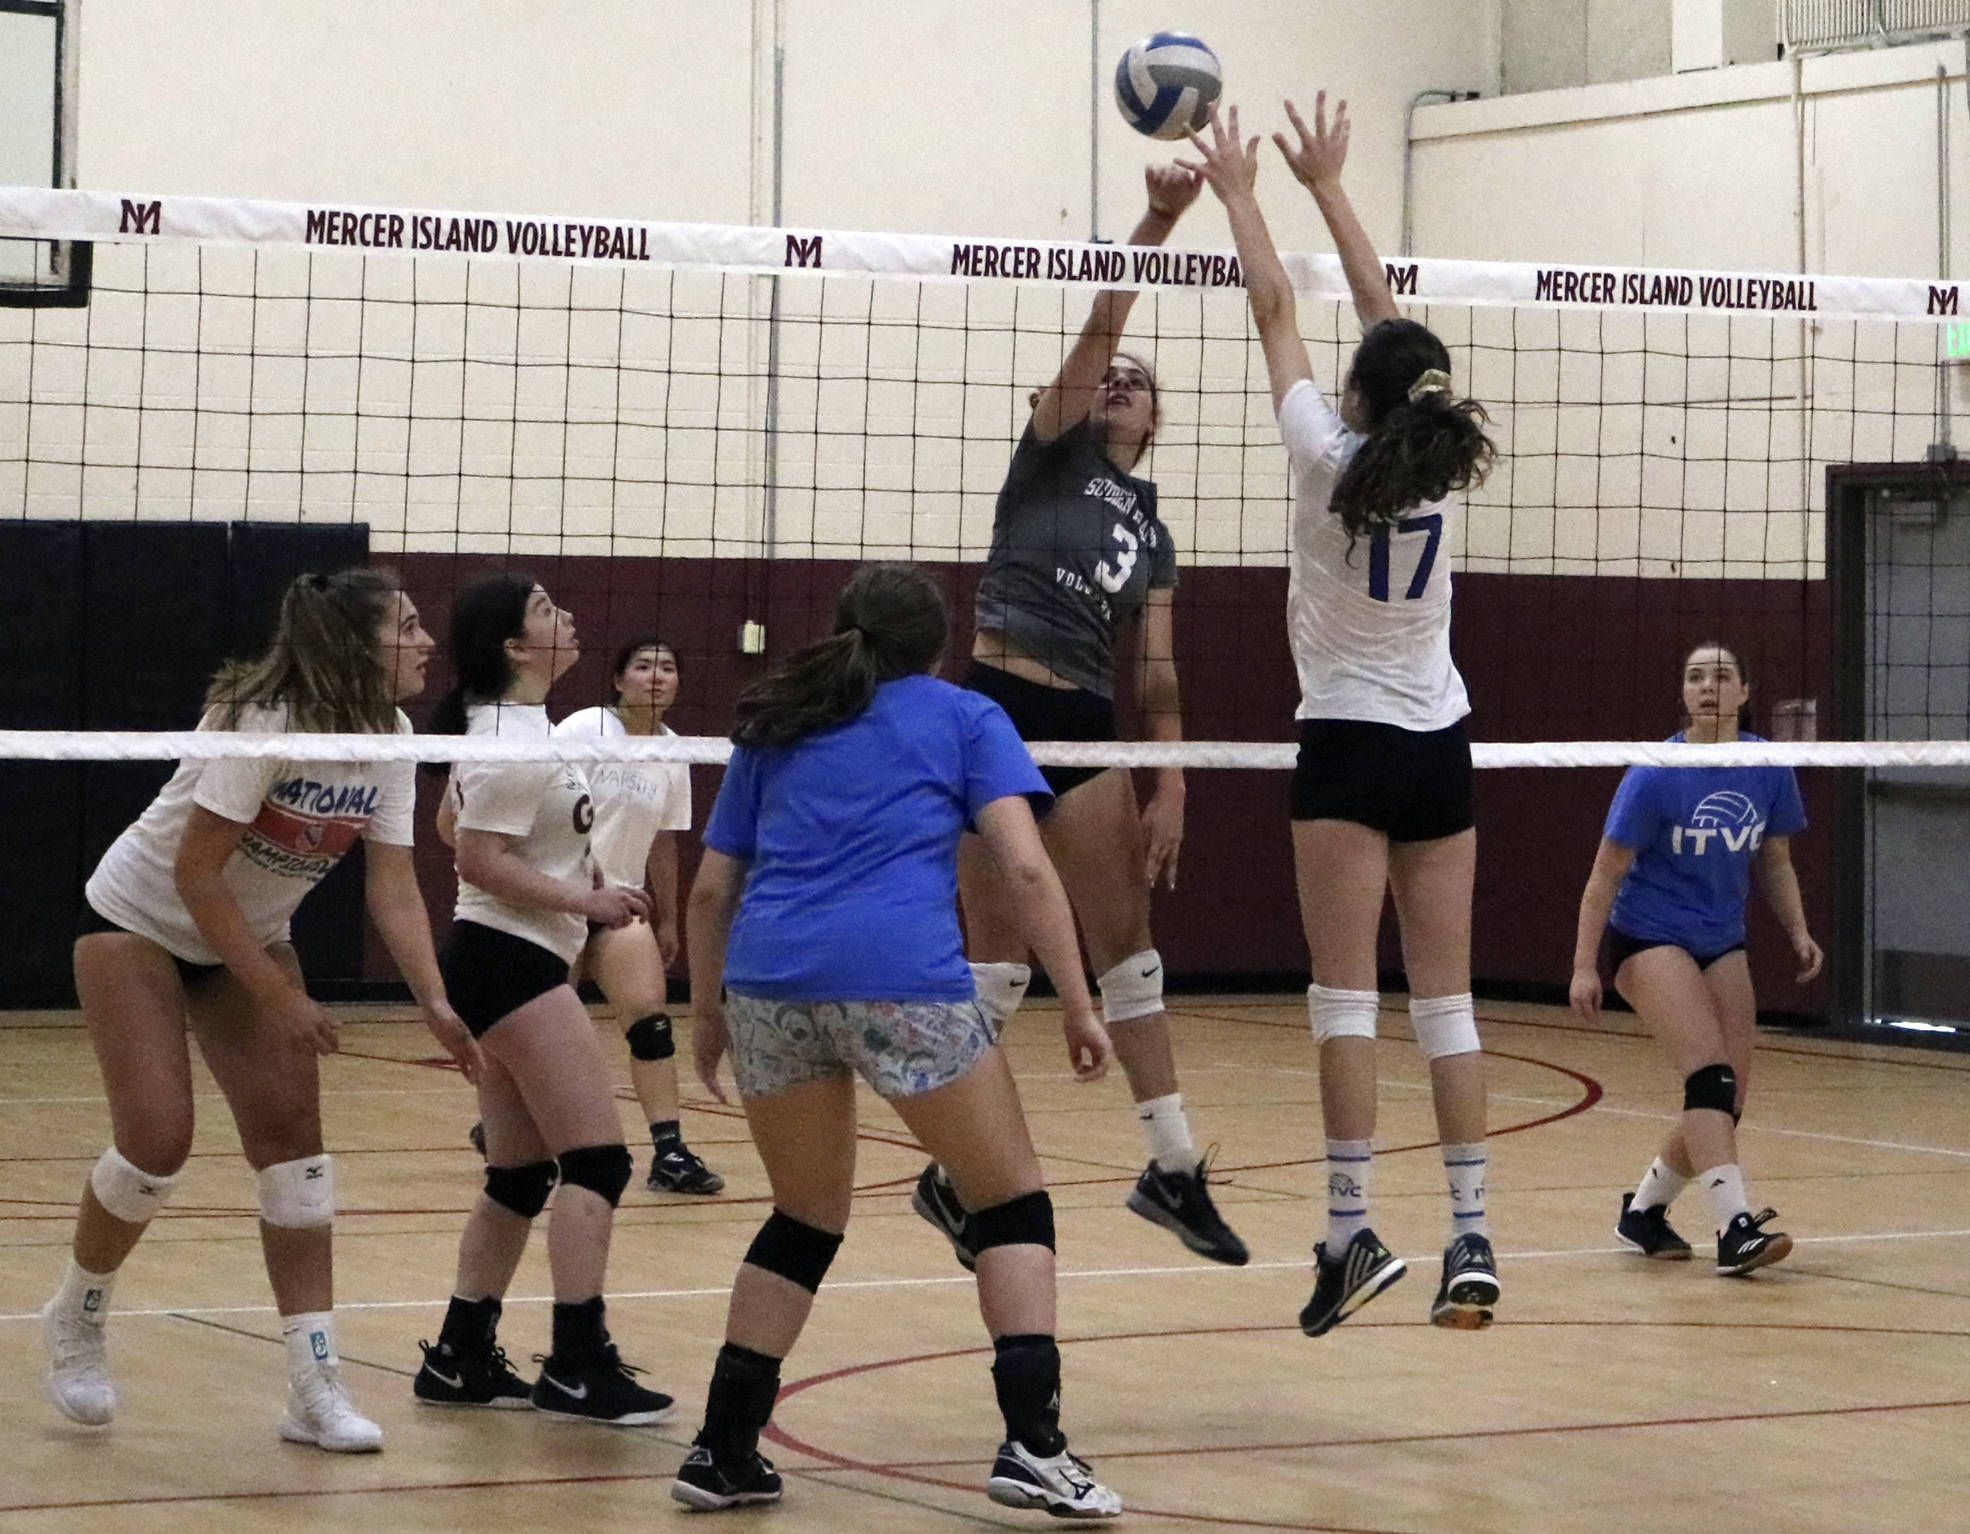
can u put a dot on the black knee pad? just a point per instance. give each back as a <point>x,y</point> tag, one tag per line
<point>1023,1221</point>
<point>800,1253</point>
<point>522,1189</point>
<point>1713,1087</point>
<point>650,1038</point>
<point>602,1169</point>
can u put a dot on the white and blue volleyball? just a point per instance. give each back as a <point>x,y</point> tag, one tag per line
<point>1166,85</point>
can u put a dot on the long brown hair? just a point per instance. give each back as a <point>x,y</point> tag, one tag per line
<point>1422,442</point>
<point>891,620</point>
<point>326,662</point>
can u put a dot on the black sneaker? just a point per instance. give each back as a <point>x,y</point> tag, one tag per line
<point>1061,1484</point>
<point>937,1201</point>
<point>1470,1285</point>
<point>470,1379</point>
<point>1745,1244</point>
<point>1180,1202</point>
<point>601,1392</point>
<point>477,1135</point>
<point>1649,1232</point>
<point>1342,1285</point>
<point>710,1487</point>
<point>679,1170</point>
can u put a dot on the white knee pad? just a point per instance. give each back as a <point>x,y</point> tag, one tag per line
<point>1133,988</point>
<point>126,1190</point>
<point>1001,988</point>
<point>1444,1025</point>
<point>299,1195</point>
<point>1336,1014</point>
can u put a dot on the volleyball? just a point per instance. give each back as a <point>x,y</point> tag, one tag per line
<point>1167,84</point>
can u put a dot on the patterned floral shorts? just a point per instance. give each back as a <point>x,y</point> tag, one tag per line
<point>900,1048</point>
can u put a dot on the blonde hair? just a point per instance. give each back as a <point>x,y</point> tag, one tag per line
<point>326,662</point>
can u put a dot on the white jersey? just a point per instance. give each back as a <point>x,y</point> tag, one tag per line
<point>300,817</point>
<point>633,800</point>
<point>1370,629</point>
<point>545,807</point>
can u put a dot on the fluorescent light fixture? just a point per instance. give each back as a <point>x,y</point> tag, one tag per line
<point>1914,1025</point>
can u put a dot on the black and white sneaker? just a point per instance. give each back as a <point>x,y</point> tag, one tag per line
<point>680,1170</point>
<point>703,1483</point>
<point>1181,1202</point>
<point>1469,1290</point>
<point>469,1379</point>
<point>1745,1244</point>
<point>1649,1232</point>
<point>1343,1284</point>
<point>937,1201</point>
<point>1062,1484</point>
<point>600,1392</point>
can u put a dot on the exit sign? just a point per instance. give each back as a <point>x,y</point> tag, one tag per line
<point>1956,341</point>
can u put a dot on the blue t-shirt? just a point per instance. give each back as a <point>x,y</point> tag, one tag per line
<point>852,835</point>
<point>1695,831</point>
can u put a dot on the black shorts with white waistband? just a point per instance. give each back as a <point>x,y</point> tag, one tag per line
<point>490,974</point>
<point>1411,785</point>
<point>1618,947</point>
<point>1040,712</point>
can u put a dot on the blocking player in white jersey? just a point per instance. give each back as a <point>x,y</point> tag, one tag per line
<point>185,932</point>
<point>639,809</point>
<point>1382,793</point>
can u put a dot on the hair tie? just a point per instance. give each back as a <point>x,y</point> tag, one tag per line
<point>316,582</point>
<point>1431,381</point>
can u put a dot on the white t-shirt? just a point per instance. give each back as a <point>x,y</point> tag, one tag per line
<point>633,800</point>
<point>545,806</point>
<point>1370,630</point>
<point>300,818</point>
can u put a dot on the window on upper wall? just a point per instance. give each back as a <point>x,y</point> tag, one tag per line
<point>37,144</point>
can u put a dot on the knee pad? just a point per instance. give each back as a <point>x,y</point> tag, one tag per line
<point>522,1189</point>
<point>1444,1025</point>
<point>650,1038</point>
<point>1336,1014</point>
<point>1713,1087</point>
<point>126,1190</point>
<point>1133,988</point>
<point>602,1169</point>
<point>798,1252</point>
<point>299,1195</point>
<point>1023,1221</point>
<point>1001,988</point>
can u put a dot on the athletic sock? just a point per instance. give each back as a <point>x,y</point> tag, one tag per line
<point>1725,1185</point>
<point>1347,1191</point>
<point>83,1294</point>
<point>579,1333</point>
<point>1168,1131</point>
<point>744,1385</point>
<point>1659,1186</point>
<point>469,1325</point>
<point>667,1135</point>
<point>1026,1377</point>
<point>310,1339</point>
<point>1465,1167</point>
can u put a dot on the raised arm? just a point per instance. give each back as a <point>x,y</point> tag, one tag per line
<point>1067,400</point>
<point>1231,166</point>
<point>1611,864</point>
<point>1316,161</point>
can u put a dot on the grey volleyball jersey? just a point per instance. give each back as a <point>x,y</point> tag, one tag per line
<point>1076,549</point>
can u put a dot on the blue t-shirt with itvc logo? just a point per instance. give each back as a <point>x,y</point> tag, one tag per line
<point>852,835</point>
<point>1696,831</point>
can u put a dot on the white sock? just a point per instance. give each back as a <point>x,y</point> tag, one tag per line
<point>85,1295</point>
<point>1168,1130</point>
<point>1725,1185</point>
<point>310,1339</point>
<point>1465,1165</point>
<point>1348,1162</point>
<point>1659,1186</point>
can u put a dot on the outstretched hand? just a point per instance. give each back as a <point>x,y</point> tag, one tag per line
<point>1230,164</point>
<point>1172,189</point>
<point>1322,150</point>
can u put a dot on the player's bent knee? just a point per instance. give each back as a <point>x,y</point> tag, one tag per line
<point>1713,1087</point>
<point>521,1189</point>
<point>1001,988</point>
<point>126,1190</point>
<point>650,1038</point>
<point>603,1170</point>
<point>1023,1221</point>
<point>1337,1014</point>
<point>794,1250</point>
<point>299,1194</point>
<point>1133,988</point>
<point>1444,1026</point>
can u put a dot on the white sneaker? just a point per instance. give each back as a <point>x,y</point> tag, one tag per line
<point>1062,1485</point>
<point>320,1412</point>
<point>78,1379</point>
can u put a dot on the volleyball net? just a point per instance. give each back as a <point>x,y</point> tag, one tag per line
<point>698,431</point>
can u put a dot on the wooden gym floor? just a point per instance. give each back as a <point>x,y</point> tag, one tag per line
<point>1831,1392</point>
